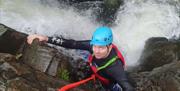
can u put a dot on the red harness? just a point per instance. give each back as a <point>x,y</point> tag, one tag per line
<point>95,70</point>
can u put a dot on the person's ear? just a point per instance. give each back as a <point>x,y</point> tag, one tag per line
<point>110,46</point>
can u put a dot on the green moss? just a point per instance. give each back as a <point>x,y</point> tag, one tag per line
<point>63,74</point>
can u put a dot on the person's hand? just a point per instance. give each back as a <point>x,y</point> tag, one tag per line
<point>41,38</point>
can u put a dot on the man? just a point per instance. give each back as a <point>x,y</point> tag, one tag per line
<point>106,61</point>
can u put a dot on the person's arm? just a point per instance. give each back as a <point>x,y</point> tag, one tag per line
<point>70,43</point>
<point>116,71</point>
<point>67,43</point>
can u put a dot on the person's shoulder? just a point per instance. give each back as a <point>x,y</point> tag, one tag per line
<point>116,64</point>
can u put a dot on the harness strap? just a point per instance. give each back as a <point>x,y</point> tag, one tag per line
<point>76,84</point>
<point>95,69</point>
<point>108,63</point>
<point>119,54</point>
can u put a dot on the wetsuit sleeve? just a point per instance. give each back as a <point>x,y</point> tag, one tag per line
<point>69,43</point>
<point>116,71</point>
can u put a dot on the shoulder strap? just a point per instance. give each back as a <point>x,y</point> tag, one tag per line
<point>108,63</point>
<point>119,54</point>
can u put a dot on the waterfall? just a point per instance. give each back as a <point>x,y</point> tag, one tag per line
<point>137,20</point>
<point>45,17</point>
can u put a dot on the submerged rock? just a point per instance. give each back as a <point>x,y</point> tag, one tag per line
<point>104,11</point>
<point>109,9</point>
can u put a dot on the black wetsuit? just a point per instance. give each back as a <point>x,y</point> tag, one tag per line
<point>115,72</point>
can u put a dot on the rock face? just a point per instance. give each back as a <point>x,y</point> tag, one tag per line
<point>165,78</point>
<point>35,67</point>
<point>159,51</point>
<point>38,57</point>
<point>160,66</point>
<point>10,40</point>
<point>17,76</point>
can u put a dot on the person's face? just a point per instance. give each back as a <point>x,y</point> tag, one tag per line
<point>101,51</point>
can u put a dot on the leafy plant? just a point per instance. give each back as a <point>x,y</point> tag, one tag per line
<point>63,74</point>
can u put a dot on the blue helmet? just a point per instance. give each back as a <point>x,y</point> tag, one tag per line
<point>102,36</point>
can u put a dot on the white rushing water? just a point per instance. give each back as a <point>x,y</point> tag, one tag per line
<point>137,20</point>
<point>45,17</point>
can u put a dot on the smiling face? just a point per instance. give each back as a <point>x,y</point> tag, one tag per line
<point>101,51</point>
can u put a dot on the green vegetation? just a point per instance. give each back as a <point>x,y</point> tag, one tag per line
<point>63,74</point>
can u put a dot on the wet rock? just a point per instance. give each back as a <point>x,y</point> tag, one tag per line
<point>178,48</point>
<point>36,67</point>
<point>52,70</point>
<point>108,12</point>
<point>71,2</point>
<point>2,86</point>
<point>20,84</point>
<point>10,40</point>
<point>17,76</point>
<point>52,82</point>
<point>157,52</point>
<point>80,70</point>
<point>6,57</point>
<point>12,68</point>
<point>103,10</point>
<point>165,78</point>
<point>112,4</point>
<point>38,57</point>
<point>45,59</point>
<point>160,66</point>
<point>7,73</point>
